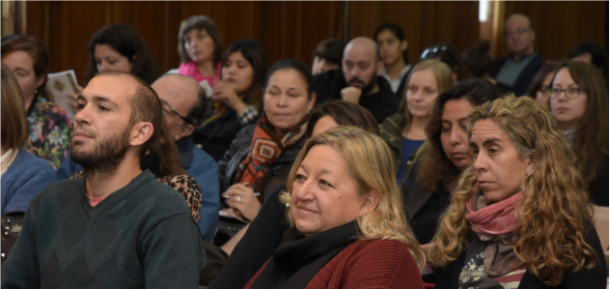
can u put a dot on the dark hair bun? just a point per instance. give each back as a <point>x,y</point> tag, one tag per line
<point>482,46</point>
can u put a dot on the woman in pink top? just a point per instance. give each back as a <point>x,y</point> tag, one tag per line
<point>200,49</point>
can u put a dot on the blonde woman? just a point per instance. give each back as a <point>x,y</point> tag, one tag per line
<point>348,227</point>
<point>404,131</point>
<point>521,216</point>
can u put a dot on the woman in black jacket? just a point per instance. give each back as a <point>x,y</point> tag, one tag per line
<point>428,184</point>
<point>259,159</point>
<point>520,217</point>
<point>235,98</point>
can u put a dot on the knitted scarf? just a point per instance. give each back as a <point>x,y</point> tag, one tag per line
<point>265,148</point>
<point>495,224</point>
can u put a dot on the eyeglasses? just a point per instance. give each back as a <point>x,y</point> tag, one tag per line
<point>431,52</point>
<point>167,108</point>
<point>519,32</point>
<point>571,92</point>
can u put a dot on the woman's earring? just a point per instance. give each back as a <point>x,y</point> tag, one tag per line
<point>308,111</point>
<point>35,91</point>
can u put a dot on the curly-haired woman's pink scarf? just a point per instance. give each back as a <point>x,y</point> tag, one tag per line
<point>495,224</point>
<point>495,219</point>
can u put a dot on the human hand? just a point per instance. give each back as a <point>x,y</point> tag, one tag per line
<point>351,94</point>
<point>225,94</point>
<point>72,99</point>
<point>242,198</point>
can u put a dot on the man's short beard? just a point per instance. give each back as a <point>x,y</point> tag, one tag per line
<point>369,86</point>
<point>105,157</point>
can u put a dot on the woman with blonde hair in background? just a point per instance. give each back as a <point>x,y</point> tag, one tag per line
<point>521,217</point>
<point>404,131</point>
<point>348,227</point>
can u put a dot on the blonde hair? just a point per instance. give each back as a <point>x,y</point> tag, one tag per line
<point>371,166</point>
<point>442,74</point>
<point>550,224</point>
<point>14,124</point>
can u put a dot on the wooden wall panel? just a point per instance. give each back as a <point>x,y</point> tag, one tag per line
<point>293,28</point>
<point>424,23</point>
<point>285,29</point>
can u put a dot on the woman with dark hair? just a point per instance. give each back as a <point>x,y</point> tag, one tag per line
<point>477,60</point>
<point>23,174</point>
<point>120,47</point>
<point>579,102</point>
<point>327,56</point>
<point>542,81</point>
<point>49,125</point>
<point>590,52</point>
<point>520,216</point>
<point>200,49</point>
<point>337,113</point>
<point>258,161</point>
<point>448,54</point>
<point>236,97</point>
<point>393,48</point>
<point>429,183</point>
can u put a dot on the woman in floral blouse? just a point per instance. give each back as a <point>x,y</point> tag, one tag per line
<point>50,127</point>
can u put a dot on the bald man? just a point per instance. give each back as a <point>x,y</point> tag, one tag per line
<point>183,103</point>
<point>515,72</point>
<point>359,80</point>
<point>118,227</point>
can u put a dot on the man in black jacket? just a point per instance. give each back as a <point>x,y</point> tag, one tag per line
<point>358,80</point>
<point>515,72</point>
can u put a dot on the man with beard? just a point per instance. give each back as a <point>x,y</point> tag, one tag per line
<point>118,227</point>
<point>183,102</point>
<point>358,80</point>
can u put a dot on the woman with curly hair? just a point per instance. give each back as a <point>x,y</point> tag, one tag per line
<point>521,217</point>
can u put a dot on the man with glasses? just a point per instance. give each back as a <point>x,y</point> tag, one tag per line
<point>183,102</point>
<point>516,71</point>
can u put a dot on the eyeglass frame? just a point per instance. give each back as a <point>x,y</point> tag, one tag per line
<point>171,110</point>
<point>549,92</point>
<point>520,31</point>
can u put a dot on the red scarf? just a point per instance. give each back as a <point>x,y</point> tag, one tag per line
<point>266,147</point>
<point>493,220</point>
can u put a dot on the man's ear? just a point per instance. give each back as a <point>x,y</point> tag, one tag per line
<point>380,66</point>
<point>370,202</point>
<point>404,45</point>
<point>184,131</point>
<point>140,133</point>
